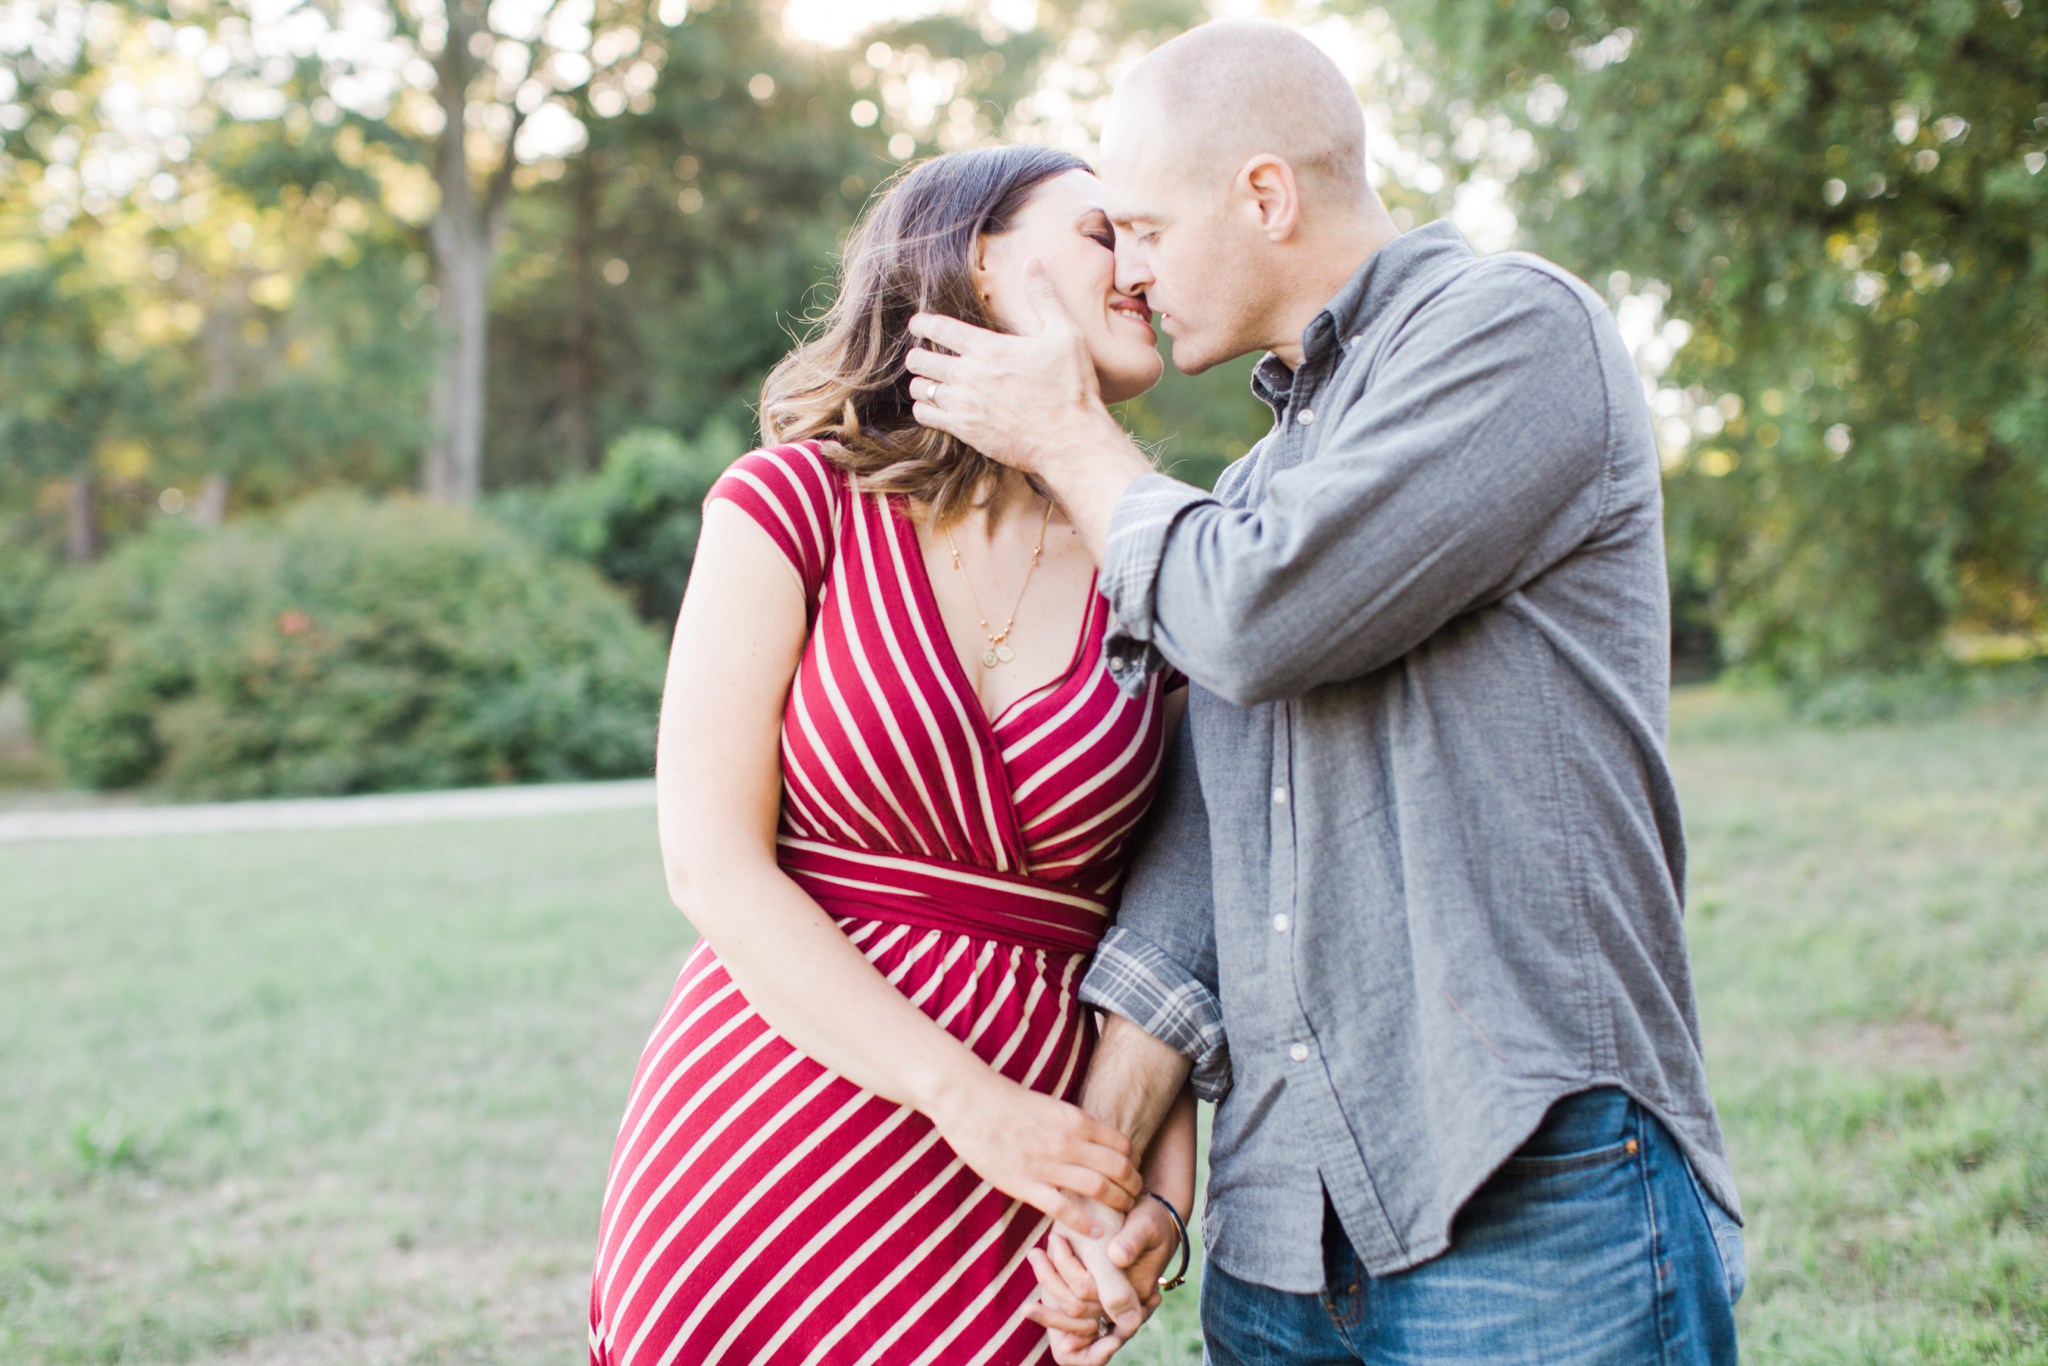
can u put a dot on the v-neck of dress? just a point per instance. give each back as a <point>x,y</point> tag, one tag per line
<point>897,507</point>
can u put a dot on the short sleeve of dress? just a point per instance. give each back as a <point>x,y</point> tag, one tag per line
<point>792,493</point>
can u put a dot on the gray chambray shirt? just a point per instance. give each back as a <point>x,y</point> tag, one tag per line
<point>1417,869</point>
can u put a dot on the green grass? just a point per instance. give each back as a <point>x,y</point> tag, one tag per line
<point>347,1097</point>
<point>1869,922</point>
<point>334,1097</point>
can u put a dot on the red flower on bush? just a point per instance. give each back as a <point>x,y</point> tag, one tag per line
<point>294,622</point>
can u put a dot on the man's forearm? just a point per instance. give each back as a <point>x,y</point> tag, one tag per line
<point>1133,1081</point>
<point>1090,479</point>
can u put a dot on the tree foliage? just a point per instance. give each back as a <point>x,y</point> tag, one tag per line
<point>635,521</point>
<point>213,308</point>
<point>219,292</point>
<point>1845,208</point>
<point>652,279</point>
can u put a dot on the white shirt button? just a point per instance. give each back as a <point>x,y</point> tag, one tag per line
<point>1305,416</point>
<point>1299,1052</point>
<point>1116,664</point>
<point>1281,922</point>
<point>1280,796</point>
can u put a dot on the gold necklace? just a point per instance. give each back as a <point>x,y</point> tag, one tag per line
<point>998,651</point>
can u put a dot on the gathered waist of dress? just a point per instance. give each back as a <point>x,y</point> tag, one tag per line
<point>934,894</point>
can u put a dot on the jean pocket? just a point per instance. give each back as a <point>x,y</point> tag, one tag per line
<point>1581,1132</point>
<point>1727,1237</point>
<point>1727,1242</point>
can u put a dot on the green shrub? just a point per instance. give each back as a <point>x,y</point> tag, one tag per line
<point>25,573</point>
<point>637,519</point>
<point>346,646</point>
<point>1924,694</point>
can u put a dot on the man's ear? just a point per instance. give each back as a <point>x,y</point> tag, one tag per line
<point>1270,191</point>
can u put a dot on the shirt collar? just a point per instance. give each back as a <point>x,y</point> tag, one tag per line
<point>1387,276</point>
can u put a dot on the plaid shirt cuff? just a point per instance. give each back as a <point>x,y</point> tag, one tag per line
<point>1135,978</point>
<point>1130,570</point>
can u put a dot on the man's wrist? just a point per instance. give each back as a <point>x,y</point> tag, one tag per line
<point>1089,474</point>
<point>1133,1082</point>
<point>1095,442</point>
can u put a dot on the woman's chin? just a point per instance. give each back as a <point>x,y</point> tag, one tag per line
<point>1123,383</point>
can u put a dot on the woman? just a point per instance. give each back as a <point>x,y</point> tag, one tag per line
<point>895,786</point>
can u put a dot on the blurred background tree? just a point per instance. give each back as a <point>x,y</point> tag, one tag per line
<point>543,253</point>
<point>1843,209</point>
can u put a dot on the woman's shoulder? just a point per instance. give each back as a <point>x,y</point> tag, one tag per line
<point>801,471</point>
<point>796,494</point>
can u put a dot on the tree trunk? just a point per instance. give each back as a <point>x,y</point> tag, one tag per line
<point>462,272</point>
<point>461,233</point>
<point>212,507</point>
<point>222,338</point>
<point>578,432</point>
<point>82,538</point>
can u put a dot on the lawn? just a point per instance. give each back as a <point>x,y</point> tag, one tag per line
<point>348,1096</point>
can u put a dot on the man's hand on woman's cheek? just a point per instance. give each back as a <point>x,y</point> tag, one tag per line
<point>1020,399</point>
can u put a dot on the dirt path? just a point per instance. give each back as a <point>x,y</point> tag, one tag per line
<point>324,813</point>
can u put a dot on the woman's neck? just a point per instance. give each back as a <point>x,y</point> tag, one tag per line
<point>1012,499</point>
<point>1013,494</point>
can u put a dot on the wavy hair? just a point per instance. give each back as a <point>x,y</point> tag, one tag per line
<point>913,251</point>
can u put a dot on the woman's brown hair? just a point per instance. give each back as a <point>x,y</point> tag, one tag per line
<point>912,252</point>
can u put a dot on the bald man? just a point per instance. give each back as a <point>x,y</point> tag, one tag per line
<point>1408,908</point>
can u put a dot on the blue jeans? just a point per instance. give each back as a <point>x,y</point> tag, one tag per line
<point>1594,1246</point>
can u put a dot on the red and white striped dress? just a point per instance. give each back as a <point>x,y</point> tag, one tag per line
<point>761,1208</point>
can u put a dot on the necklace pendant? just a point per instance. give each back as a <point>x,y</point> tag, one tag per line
<point>1004,654</point>
<point>989,660</point>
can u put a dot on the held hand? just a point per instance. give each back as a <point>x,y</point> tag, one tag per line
<point>1053,1156</point>
<point>1085,1284</point>
<point>1141,1250</point>
<point>1017,399</point>
<point>1077,1329</point>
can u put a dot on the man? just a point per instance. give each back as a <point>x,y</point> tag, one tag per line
<point>1410,907</point>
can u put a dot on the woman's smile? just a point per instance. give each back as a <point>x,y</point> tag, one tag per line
<point>1135,311</point>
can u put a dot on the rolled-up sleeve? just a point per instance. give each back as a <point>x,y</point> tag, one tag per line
<point>1157,965</point>
<point>1135,978</point>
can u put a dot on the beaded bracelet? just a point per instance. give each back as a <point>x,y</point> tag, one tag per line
<point>1180,1273</point>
